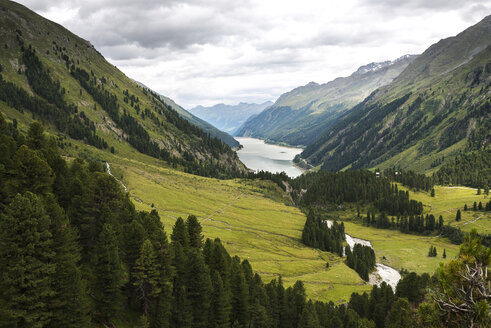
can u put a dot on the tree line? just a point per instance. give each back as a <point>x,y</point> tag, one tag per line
<point>361,259</point>
<point>319,189</point>
<point>467,169</point>
<point>317,233</point>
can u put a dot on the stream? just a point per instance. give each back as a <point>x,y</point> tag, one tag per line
<point>382,272</point>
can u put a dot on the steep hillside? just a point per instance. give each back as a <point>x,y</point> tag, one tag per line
<point>439,106</point>
<point>229,118</point>
<point>51,75</point>
<point>203,125</point>
<point>301,115</point>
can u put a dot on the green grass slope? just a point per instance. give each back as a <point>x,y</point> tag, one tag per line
<point>438,106</point>
<point>298,117</point>
<point>62,53</point>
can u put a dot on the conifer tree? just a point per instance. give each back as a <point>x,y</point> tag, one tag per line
<point>458,216</point>
<point>199,288</point>
<point>181,314</point>
<point>308,317</point>
<point>147,276</point>
<point>70,305</point>
<point>194,232</point>
<point>239,301</point>
<point>26,263</point>
<point>109,274</point>
<point>444,254</point>
<point>400,315</point>
<point>180,233</point>
<point>220,305</point>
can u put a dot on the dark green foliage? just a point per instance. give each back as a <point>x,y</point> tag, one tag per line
<point>400,315</point>
<point>432,252</point>
<point>410,179</point>
<point>220,305</point>
<point>361,259</point>
<point>353,186</point>
<point>26,266</point>
<point>317,234</point>
<point>468,169</point>
<point>374,306</point>
<point>109,274</point>
<point>458,216</point>
<point>413,287</point>
<point>194,232</point>
<point>147,276</point>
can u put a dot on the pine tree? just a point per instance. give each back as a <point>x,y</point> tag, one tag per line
<point>220,305</point>
<point>400,315</point>
<point>240,295</point>
<point>180,233</point>
<point>433,192</point>
<point>70,307</point>
<point>458,216</point>
<point>444,254</point>
<point>147,276</point>
<point>109,274</point>
<point>308,317</point>
<point>199,288</point>
<point>194,232</point>
<point>26,263</point>
<point>181,313</point>
<point>465,207</point>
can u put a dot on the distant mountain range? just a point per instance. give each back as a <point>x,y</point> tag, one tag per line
<point>205,126</point>
<point>298,117</point>
<point>438,106</point>
<point>229,118</point>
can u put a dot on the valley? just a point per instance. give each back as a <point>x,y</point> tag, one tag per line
<point>119,208</point>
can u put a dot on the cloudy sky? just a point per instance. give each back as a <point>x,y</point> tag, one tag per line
<point>203,52</point>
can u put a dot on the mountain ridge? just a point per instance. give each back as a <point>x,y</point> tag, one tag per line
<point>229,118</point>
<point>438,106</point>
<point>300,115</point>
<point>45,64</point>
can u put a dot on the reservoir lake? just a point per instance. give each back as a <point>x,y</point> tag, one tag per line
<point>258,155</point>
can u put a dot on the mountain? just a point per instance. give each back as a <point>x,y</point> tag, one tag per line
<point>202,124</point>
<point>229,118</point>
<point>51,75</point>
<point>438,106</point>
<point>298,117</point>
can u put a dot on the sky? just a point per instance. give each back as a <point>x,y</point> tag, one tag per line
<point>204,52</point>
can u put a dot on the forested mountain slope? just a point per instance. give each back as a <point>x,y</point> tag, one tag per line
<point>438,106</point>
<point>202,124</point>
<point>51,75</point>
<point>298,117</point>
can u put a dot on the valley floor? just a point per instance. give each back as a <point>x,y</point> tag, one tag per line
<point>254,223</point>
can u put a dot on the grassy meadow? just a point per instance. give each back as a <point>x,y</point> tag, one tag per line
<point>251,219</point>
<point>448,200</point>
